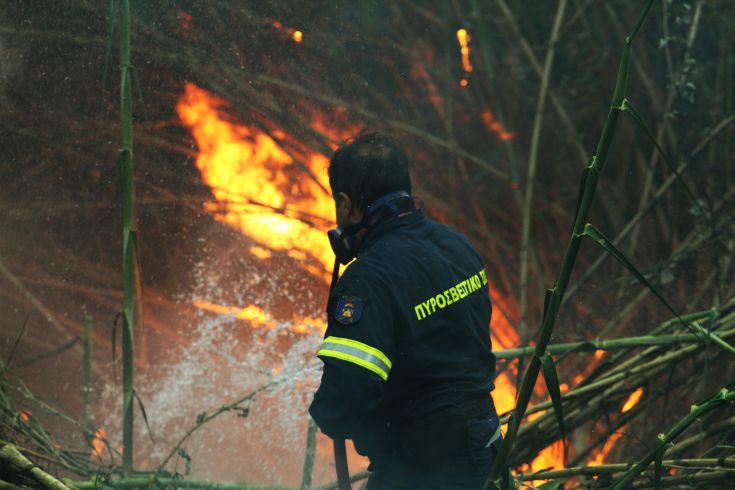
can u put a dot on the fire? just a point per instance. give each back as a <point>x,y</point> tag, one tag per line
<point>494,126</point>
<point>260,190</point>
<point>258,318</point>
<point>295,34</point>
<point>464,38</point>
<point>600,455</point>
<point>551,457</point>
<point>633,399</point>
<point>258,187</point>
<point>260,252</point>
<point>98,442</point>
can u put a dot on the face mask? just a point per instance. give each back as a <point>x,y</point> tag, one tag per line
<point>344,242</point>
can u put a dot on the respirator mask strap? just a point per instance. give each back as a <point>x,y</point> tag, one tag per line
<point>343,241</point>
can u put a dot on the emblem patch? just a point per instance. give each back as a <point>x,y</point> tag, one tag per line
<point>348,309</point>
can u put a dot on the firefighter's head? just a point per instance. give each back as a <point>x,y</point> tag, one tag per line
<point>364,169</point>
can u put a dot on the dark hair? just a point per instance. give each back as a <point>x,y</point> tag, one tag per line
<point>368,167</point>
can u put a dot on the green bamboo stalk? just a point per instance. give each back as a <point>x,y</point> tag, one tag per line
<point>606,469</point>
<point>593,345</point>
<point>726,394</point>
<point>645,369</point>
<point>130,252</point>
<point>554,296</point>
<point>87,423</point>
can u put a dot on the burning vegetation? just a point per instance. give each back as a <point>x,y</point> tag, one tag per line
<point>235,112</point>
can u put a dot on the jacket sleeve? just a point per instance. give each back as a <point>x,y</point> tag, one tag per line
<point>358,352</point>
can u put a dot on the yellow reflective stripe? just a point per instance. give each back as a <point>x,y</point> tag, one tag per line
<point>360,346</point>
<point>357,353</point>
<point>355,360</point>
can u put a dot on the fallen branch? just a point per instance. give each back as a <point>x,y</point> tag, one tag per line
<point>17,463</point>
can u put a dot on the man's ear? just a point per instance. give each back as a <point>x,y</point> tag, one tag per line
<point>348,208</point>
<point>344,204</point>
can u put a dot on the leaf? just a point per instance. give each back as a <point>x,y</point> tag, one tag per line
<point>145,416</point>
<point>200,417</point>
<point>187,458</point>
<point>596,235</point>
<point>627,107</point>
<point>136,84</point>
<point>552,383</point>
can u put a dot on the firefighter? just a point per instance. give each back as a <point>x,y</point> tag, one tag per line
<point>408,364</point>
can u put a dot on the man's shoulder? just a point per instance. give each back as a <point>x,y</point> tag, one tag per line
<point>454,237</point>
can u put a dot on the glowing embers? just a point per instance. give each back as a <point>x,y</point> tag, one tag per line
<point>295,34</point>
<point>633,399</point>
<point>494,126</point>
<point>464,39</point>
<point>99,443</point>
<point>259,188</point>
<point>600,456</point>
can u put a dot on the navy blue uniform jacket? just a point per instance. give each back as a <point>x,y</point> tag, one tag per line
<point>408,333</point>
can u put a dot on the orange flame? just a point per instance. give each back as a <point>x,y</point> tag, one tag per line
<point>258,187</point>
<point>257,317</point>
<point>295,34</point>
<point>633,399</point>
<point>98,442</point>
<point>464,38</point>
<point>494,126</point>
<point>600,456</point>
<point>551,457</point>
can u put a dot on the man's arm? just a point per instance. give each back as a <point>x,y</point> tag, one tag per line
<point>357,352</point>
<point>344,400</point>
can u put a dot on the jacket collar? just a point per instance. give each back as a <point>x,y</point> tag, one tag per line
<point>375,233</point>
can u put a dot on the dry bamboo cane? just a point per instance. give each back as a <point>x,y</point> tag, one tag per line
<point>554,296</point>
<point>20,464</point>
<point>531,176</point>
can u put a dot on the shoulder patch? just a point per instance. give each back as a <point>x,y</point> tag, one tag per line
<point>348,309</point>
